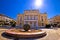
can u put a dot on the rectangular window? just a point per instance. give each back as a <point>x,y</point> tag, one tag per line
<point>42,24</point>
<point>26,22</point>
<point>45,18</point>
<point>42,18</point>
<point>20,18</point>
<point>27,17</point>
<point>31,17</point>
<point>35,17</point>
<point>34,23</point>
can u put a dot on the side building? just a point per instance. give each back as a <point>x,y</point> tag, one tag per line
<point>33,18</point>
<point>5,18</point>
<point>55,19</point>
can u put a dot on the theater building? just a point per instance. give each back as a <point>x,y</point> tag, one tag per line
<point>32,17</point>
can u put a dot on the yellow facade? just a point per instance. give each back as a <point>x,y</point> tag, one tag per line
<point>33,18</point>
<point>56,19</point>
<point>5,18</point>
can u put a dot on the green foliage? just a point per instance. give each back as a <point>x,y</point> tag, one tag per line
<point>2,22</point>
<point>48,26</point>
<point>6,23</point>
<point>13,23</point>
<point>55,25</point>
<point>26,27</point>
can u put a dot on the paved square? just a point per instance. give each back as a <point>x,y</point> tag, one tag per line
<point>52,34</point>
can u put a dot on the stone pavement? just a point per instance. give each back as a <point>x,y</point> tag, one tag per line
<point>52,34</point>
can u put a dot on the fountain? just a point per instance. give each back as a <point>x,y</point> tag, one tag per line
<point>25,32</point>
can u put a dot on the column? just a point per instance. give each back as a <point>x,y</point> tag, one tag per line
<point>33,24</point>
<point>37,23</point>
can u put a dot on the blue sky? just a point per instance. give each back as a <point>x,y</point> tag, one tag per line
<point>12,7</point>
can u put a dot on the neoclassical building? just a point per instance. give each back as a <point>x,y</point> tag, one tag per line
<point>33,18</point>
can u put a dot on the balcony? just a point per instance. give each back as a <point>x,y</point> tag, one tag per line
<point>31,20</point>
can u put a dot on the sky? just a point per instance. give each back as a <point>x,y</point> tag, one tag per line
<point>13,7</point>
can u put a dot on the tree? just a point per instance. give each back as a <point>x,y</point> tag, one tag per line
<point>55,25</point>
<point>6,22</point>
<point>48,26</point>
<point>26,27</point>
<point>13,23</point>
<point>2,22</point>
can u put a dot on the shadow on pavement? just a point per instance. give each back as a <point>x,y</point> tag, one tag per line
<point>13,38</point>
